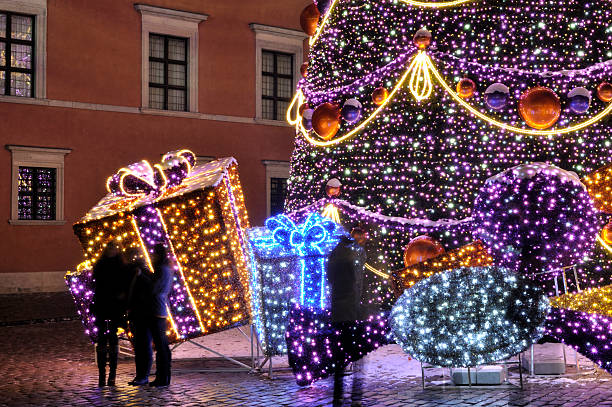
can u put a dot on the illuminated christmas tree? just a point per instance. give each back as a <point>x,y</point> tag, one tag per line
<point>414,105</point>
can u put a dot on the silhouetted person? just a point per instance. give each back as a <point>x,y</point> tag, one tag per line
<point>345,277</point>
<point>109,307</point>
<point>149,320</point>
<point>139,313</point>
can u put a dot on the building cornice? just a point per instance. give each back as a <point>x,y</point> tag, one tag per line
<point>278,31</point>
<point>146,9</point>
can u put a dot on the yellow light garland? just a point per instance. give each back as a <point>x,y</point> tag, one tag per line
<point>604,244</point>
<point>377,272</point>
<point>420,85</point>
<point>331,212</point>
<point>514,129</point>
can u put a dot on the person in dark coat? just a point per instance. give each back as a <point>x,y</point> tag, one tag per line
<point>149,320</point>
<point>139,313</point>
<point>345,277</point>
<point>109,307</point>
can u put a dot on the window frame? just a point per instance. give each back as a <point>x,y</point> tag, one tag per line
<point>8,41</point>
<point>274,169</point>
<point>34,195</point>
<point>275,77</point>
<point>38,10</point>
<point>275,39</point>
<point>167,61</point>
<point>41,157</point>
<point>176,23</point>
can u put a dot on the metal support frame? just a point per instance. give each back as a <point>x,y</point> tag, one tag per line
<point>241,366</point>
<point>557,293</point>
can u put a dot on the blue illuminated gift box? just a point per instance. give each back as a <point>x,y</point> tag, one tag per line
<point>288,262</point>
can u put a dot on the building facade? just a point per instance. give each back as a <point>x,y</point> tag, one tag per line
<point>89,87</point>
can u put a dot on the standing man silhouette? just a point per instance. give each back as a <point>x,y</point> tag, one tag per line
<point>345,277</point>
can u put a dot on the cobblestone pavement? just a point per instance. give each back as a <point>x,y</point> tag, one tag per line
<point>51,364</point>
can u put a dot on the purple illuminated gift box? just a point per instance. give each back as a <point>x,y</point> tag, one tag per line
<point>198,213</point>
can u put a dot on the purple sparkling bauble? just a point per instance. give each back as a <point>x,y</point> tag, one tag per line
<point>496,96</point>
<point>351,111</point>
<point>322,6</point>
<point>535,218</point>
<point>307,119</point>
<point>579,100</point>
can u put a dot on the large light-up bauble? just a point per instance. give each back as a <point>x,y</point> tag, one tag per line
<point>466,88</point>
<point>420,249</point>
<point>351,111</point>
<point>496,96</point>
<point>469,316</point>
<point>540,107</point>
<point>579,100</point>
<point>604,92</point>
<point>309,19</point>
<point>535,218</point>
<point>326,120</point>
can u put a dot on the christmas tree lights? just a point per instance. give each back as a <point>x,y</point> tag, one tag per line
<point>429,159</point>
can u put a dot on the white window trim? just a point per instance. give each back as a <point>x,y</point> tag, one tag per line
<point>37,8</point>
<point>23,156</point>
<point>274,169</point>
<point>281,40</point>
<point>158,20</point>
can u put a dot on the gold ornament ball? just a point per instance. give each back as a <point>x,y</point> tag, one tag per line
<point>326,120</point>
<point>606,233</point>
<point>379,96</point>
<point>422,38</point>
<point>540,107</point>
<point>309,19</point>
<point>304,69</point>
<point>420,249</point>
<point>466,88</point>
<point>604,92</point>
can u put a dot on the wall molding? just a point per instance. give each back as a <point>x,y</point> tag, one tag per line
<point>144,111</point>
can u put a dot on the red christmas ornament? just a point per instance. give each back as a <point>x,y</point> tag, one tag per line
<point>309,19</point>
<point>420,249</point>
<point>379,96</point>
<point>604,92</point>
<point>304,69</point>
<point>326,120</point>
<point>422,38</point>
<point>466,88</point>
<point>540,107</point>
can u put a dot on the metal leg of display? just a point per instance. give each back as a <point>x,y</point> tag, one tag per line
<point>242,366</point>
